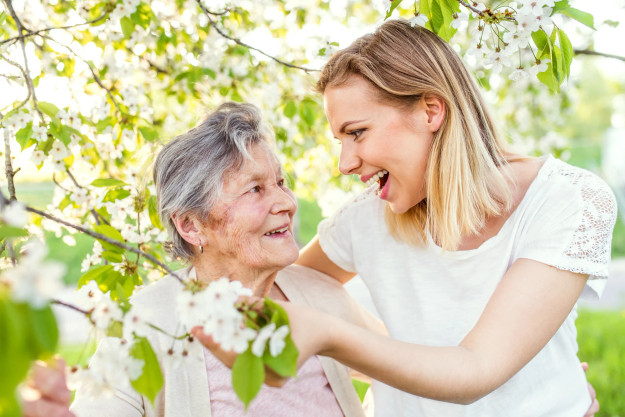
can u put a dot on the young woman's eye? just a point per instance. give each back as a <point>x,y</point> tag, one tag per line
<point>356,133</point>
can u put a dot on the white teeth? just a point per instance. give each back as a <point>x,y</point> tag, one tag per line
<point>376,177</point>
<point>284,229</point>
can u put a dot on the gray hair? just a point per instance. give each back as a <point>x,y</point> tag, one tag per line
<point>189,170</point>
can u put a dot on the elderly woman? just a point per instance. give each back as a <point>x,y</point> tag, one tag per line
<point>229,212</point>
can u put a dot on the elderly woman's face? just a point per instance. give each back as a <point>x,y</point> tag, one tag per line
<point>253,221</point>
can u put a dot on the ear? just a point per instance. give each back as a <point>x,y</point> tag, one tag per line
<point>189,229</point>
<point>435,111</point>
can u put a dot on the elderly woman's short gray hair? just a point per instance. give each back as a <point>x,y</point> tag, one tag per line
<point>189,170</point>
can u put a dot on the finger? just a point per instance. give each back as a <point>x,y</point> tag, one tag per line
<point>49,380</point>
<point>585,366</point>
<point>591,390</point>
<point>594,408</point>
<point>227,358</point>
<point>45,408</point>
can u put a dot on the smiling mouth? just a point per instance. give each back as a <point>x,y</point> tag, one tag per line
<point>277,231</point>
<point>381,178</point>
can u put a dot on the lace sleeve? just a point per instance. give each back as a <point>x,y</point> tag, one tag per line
<point>588,252</point>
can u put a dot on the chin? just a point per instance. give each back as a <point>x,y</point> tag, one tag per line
<point>399,208</point>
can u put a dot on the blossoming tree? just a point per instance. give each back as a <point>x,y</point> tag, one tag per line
<point>93,88</point>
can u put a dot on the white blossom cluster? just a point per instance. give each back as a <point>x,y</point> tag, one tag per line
<point>34,280</point>
<point>214,309</point>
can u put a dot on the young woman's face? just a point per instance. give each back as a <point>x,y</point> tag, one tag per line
<point>378,139</point>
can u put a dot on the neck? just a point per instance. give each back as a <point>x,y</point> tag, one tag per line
<point>260,281</point>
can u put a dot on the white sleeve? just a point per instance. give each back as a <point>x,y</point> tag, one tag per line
<point>335,239</point>
<point>576,236</point>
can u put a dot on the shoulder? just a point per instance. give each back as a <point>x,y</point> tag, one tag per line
<point>591,192</point>
<point>363,203</point>
<point>160,293</point>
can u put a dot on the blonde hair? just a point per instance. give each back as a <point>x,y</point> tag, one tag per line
<point>464,180</point>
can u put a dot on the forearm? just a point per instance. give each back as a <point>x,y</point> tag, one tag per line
<point>451,374</point>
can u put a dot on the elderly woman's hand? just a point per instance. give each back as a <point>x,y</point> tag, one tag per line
<point>310,331</point>
<point>48,395</point>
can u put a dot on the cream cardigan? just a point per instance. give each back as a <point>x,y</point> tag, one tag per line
<point>185,391</point>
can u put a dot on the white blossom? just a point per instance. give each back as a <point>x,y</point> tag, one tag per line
<point>458,18</point>
<point>258,346</point>
<point>88,295</point>
<point>136,321</point>
<point>105,312</point>
<point>238,340</point>
<point>38,157</point>
<point>277,343</point>
<point>80,195</point>
<point>15,214</point>
<point>418,19</point>
<point>34,280</point>
<point>518,75</point>
<point>497,60</point>
<point>40,133</point>
<point>59,151</point>
<point>102,112</point>
<point>538,68</point>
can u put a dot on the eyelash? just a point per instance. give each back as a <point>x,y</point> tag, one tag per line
<point>280,183</point>
<point>356,133</point>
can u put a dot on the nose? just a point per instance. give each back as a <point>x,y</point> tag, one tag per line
<point>283,201</point>
<point>349,162</point>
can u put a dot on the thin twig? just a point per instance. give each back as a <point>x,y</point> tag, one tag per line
<point>29,81</point>
<point>473,9</point>
<point>589,52</point>
<point>73,307</point>
<point>97,79</point>
<point>23,103</point>
<point>36,32</point>
<point>95,214</point>
<point>222,33</point>
<point>107,239</point>
<point>8,166</point>
<point>150,63</point>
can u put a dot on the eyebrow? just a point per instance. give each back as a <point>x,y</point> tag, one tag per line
<point>344,125</point>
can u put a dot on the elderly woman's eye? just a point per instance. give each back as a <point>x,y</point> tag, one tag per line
<point>255,189</point>
<point>281,183</point>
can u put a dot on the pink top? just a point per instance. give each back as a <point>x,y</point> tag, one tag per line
<point>309,395</point>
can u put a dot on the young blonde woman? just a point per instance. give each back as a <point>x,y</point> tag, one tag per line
<point>475,257</point>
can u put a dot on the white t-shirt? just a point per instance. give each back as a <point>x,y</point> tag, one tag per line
<point>425,297</point>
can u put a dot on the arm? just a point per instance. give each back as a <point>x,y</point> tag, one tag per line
<point>527,308</point>
<point>314,257</point>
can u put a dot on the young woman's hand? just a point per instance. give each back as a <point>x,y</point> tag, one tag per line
<point>311,331</point>
<point>594,407</point>
<point>48,395</point>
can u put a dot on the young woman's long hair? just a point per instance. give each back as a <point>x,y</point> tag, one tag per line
<point>466,179</point>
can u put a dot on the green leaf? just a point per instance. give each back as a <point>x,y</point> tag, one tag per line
<point>248,374</point>
<point>116,194</point>
<point>94,274</point>
<point>10,231</point>
<point>44,330</point>
<point>567,51</point>
<point>560,5</point>
<point>3,17</point>
<point>128,26</point>
<point>549,79</point>
<point>285,364</point>
<point>394,5</point>
<point>108,182</point>
<point>112,256</point>
<point>65,202</point>
<point>104,123</point>
<point>116,329</point>
<point>15,350</point>
<point>361,388</point>
<point>61,134</point>
<point>109,231</point>
<point>48,108</point>
<point>108,282</point>
<point>290,109</point>
<point>148,133</point>
<point>582,17</point>
<point>541,40</point>
<point>24,134</point>
<point>153,211</point>
<point>151,380</point>
<point>448,9</point>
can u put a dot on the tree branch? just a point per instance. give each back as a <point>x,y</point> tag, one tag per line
<point>36,32</point>
<point>8,166</point>
<point>73,307</point>
<point>15,64</point>
<point>222,33</point>
<point>29,81</point>
<point>106,239</point>
<point>473,9</point>
<point>595,53</point>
